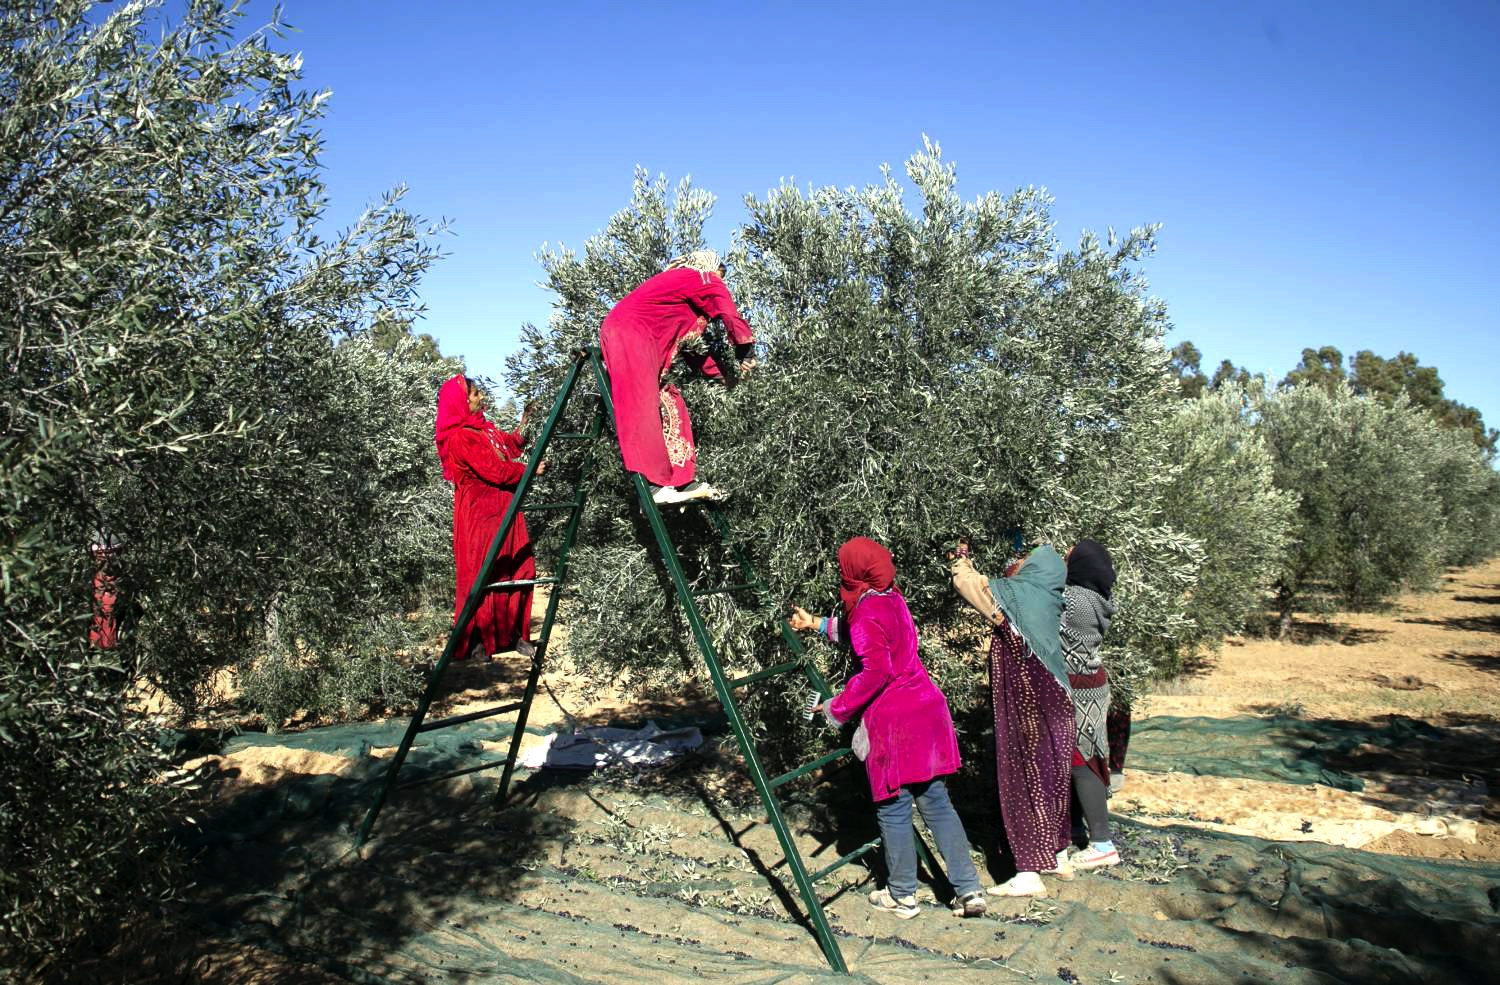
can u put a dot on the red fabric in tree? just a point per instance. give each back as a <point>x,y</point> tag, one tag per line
<point>640,338</point>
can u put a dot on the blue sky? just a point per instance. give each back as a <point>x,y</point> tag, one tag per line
<point>1324,173</point>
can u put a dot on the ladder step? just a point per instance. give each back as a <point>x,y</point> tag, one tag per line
<point>761,675</point>
<point>807,768</point>
<point>864,849</point>
<point>498,586</point>
<point>547,507</point>
<point>488,765</point>
<point>472,716</point>
<point>724,589</point>
<point>574,436</point>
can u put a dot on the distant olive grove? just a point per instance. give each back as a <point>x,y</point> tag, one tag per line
<point>198,370</point>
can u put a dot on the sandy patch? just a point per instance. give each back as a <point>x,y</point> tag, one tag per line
<point>1289,812</point>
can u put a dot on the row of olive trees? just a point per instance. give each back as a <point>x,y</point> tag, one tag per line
<point>185,369</point>
<point>1324,491</point>
<point>953,370</point>
<point>1387,496</point>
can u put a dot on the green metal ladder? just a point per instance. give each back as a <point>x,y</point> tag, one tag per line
<point>687,595</point>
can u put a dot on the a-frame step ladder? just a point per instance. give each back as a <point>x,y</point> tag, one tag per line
<point>687,596</point>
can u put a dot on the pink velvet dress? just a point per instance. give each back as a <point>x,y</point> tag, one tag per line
<point>640,338</point>
<point>904,713</point>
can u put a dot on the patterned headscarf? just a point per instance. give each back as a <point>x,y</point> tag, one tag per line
<point>704,261</point>
<point>864,566</point>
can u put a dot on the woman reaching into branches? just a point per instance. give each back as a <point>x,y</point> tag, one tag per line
<point>1087,612</point>
<point>905,734</point>
<point>485,464</point>
<point>641,337</point>
<point>1034,738</point>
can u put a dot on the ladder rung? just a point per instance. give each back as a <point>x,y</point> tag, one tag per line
<point>723,589</point>
<point>490,764</point>
<point>574,435</point>
<point>472,716</point>
<point>496,586</point>
<point>808,767</point>
<point>761,675</point>
<point>864,849</point>
<point>545,507</point>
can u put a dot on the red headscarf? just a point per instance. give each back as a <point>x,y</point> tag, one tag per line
<point>864,566</point>
<point>453,413</point>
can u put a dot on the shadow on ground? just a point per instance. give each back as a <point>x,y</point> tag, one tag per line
<point>1308,631</point>
<point>1395,751</point>
<point>1467,624</point>
<point>629,878</point>
<point>1487,662</point>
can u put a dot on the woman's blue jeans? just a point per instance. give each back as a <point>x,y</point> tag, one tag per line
<point>900,842</point>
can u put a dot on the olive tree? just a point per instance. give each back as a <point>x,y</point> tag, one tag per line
<point>1226,499</point>
<point>171,310</point>
<point>1369,520</point>
<point>927,372</point>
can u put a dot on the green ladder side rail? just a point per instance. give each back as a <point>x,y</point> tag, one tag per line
<point>725,689</point>
<point>484,584</point>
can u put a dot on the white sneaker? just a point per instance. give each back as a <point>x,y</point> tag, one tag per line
<point>1020,884</point>
<point>1093,858</point>
<point>1064,869</point>
<point>904,907</point>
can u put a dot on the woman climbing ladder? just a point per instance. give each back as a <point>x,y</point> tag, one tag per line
<point>640,338</point>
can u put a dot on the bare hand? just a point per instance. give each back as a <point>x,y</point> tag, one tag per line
<point>746,365</point>
<point>801,620</point>
<point>962,550</point>
<point>526,414</point>
<point>541,467</point>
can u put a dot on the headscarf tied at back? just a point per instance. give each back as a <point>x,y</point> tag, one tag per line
<point>864,566</point>
<point>704,261</point>
<point>1090,566</point>
<point>1032,600</point>
<point>453,413</point>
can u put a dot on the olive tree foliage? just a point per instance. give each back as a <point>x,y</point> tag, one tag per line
<point>1370,517</point>
<point>927,372</point>
<point>334,634</point>
<point>1226,499</point>
<point>1463,479</point>
<point>173,374</point>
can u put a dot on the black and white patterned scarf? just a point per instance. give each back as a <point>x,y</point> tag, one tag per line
<point>1085,620</point>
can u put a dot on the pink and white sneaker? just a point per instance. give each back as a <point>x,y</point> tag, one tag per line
<point>1093,858</point>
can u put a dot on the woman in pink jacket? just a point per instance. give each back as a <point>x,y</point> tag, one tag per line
<point>908,743</point>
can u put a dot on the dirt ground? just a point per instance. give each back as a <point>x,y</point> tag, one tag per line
<point>1353,837</point>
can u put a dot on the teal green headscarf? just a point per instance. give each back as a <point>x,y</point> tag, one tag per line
<point>1032,599</point>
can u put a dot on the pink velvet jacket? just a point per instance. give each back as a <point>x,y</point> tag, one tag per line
<point>904,713</point>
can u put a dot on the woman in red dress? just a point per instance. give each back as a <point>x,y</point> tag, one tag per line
<point>641,337</point>
<point>485,464</point>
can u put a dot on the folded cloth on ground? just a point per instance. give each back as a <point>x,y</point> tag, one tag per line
<point>588,748</point>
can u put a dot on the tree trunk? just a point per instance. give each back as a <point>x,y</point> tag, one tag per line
<point>1284,603</point>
